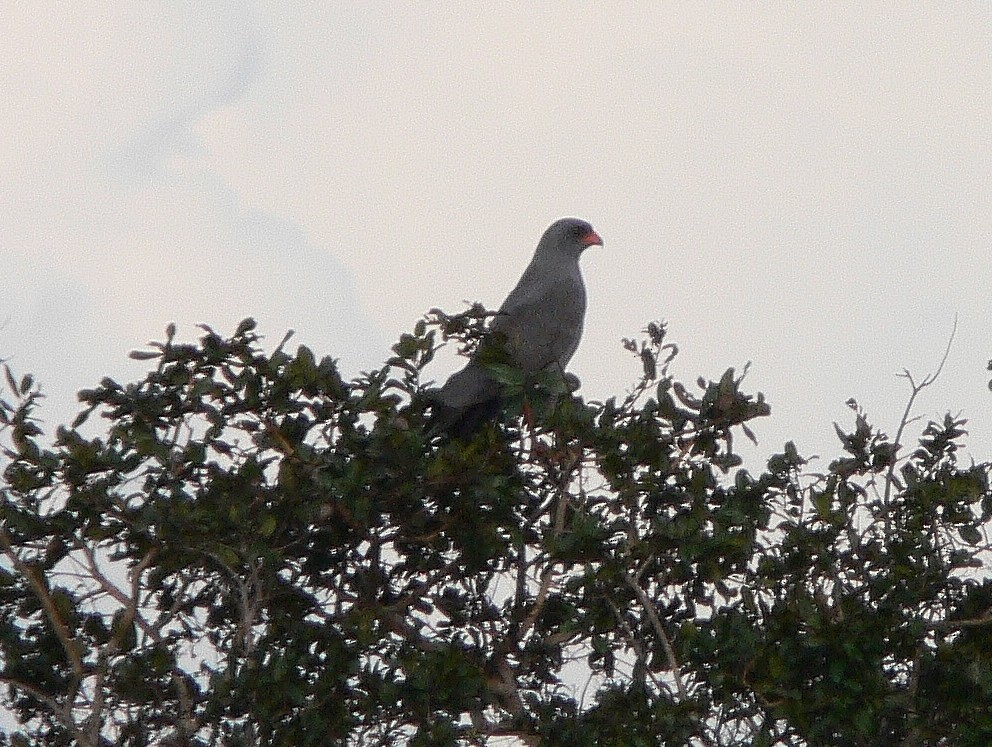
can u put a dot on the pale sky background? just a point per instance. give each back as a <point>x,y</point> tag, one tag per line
<point>805,186</point>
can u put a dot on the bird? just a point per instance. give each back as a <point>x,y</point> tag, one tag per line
<point>539,323</point>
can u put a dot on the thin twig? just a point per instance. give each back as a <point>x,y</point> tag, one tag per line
<point>973,622</point>
<point>666,644</point>
<point>35,578</point>
<point>916,389</point>
<point>114,644</point>
<point>659,629</point>
<point>637,645</point>
<point>913,737</point>
<point>115,591</point>
<point>547,574</point>
<point>61,711</point>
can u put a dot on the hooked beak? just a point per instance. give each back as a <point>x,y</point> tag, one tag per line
<point>591,239</point>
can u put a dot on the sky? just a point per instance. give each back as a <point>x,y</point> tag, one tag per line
<point>807,187</point>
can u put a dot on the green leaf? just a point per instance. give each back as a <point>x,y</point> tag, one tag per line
<point>143,355</point>
<point>506,374</point>
<point>970,534</point>
<point>268,526</point>
<point>11,381</point>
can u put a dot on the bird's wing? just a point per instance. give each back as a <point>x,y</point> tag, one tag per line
<point>470,386</point>
<point>468,399</point>
<point>542,326</point>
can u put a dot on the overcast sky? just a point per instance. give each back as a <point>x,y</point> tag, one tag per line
<point>804,186</point>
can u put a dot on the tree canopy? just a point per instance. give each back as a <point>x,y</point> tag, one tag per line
<point>244,548</point>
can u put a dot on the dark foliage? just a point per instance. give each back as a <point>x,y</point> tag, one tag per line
<point>255,551</point>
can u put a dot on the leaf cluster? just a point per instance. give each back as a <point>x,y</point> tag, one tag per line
<point>253,550</point>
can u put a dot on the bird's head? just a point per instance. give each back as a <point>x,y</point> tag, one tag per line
<point>569,236</point>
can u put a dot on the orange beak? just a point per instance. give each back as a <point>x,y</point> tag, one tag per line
<point>591,239</point>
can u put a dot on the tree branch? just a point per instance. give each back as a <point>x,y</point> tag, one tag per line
<point>915,390</point>
<point>35,578</point>
<point>61,711</point>
<point>666,644</point>
<point>974,622</point>
<point>95,719</point>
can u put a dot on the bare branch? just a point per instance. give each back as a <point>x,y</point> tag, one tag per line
<point>659,629</point>
<point>36,579</point>
<point>61,711</point>
<point>95,719</point>
<point>973,622</point>
<point>666,644</point>
<point>906,419</point>
<point>117,593</point>
<point>561,508</point>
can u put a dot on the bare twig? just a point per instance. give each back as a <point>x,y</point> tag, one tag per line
<point>973,622</point>
<point>666,645</point>
<point>61,711</point>
<point>906,419</point>
<point>639,669</point>
<point>913,737</point>
<point>117,593</point>
<point>36,579</point>
<point>547,574</point>
<point>112,646</point>
<point>659,629</point>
